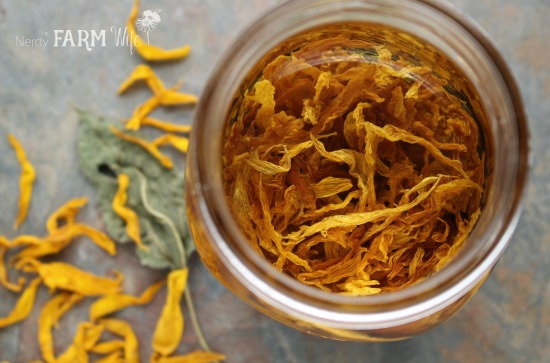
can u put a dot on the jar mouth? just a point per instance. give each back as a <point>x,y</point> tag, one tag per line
<point>470,46</point>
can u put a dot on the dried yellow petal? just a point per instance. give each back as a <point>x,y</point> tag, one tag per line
<point>60,239</point>
<point>123,329</point>
<point>4,274</point>
<point>169,329</point>
<point>109,347</point>
<point>142,111</point>
<point>149,52</point>
<point>330,186</point>
<point>179,142</point>
<point>85,338</point>
<point>129,216</point>
<point>26,181</point>
<point>198,356</point>
<point>144,73</point>
<point>67,213</point>
<point>113,303</point>
<point>172,98</point>
<point>162,96</point>
<point>5,243</point>
<point>152,149</point>
<point>115,357</point>
<point>59,275</point>
<point>24,305</point>
<point>54,309</point>
<point>165,126</point>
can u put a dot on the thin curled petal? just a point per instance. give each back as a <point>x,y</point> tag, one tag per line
<point>123,329</point>
<point>179,142</point>
<point>147,146</point>
<point>54,309</point>
<point>24,305</point>
<point>129,216</point>
<point>4,275</point>
<point>26,180</point>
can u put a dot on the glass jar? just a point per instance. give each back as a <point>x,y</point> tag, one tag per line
<point>390,316</point>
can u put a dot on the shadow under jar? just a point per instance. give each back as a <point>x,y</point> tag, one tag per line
<point>375,148</point>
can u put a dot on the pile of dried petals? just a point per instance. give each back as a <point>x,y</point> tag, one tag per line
<point>68,284</point>
<point>353,168</point>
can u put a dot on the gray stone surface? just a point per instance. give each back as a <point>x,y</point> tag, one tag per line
<point>507,321</point>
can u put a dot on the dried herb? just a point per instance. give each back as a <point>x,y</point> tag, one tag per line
<point>150,52</point>
<point>162,213</point>
<point>26,181</point>
<point>155,193</point>
<point>355,174</point>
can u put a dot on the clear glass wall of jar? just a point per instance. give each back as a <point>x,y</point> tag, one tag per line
<point>389,316</point>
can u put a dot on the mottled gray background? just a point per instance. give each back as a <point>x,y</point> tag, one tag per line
<point>508,319</point>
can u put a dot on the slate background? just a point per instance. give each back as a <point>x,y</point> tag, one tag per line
<point>507,321</point>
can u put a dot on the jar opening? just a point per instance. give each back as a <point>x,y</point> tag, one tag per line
<point>496,97</point>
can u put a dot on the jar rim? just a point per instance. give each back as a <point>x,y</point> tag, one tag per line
<point>442,288</point>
